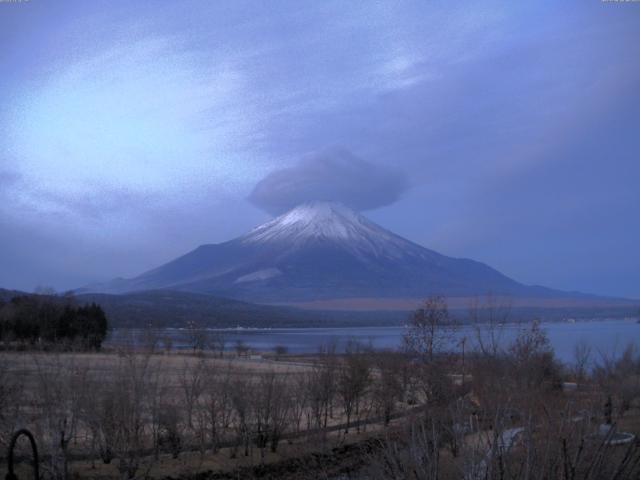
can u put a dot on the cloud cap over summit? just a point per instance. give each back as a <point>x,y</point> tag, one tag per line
<point>335,175</point>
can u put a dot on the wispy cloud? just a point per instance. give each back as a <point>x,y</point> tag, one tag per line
<point>151,124</point>
<point>137,109</point>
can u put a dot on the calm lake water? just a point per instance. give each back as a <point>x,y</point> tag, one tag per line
<point>605,337</point>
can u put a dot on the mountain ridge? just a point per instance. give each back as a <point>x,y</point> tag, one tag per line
<point>177,309</point>
<point>324,251</point>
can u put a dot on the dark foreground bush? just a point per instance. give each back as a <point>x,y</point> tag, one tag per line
<point>29,320</point>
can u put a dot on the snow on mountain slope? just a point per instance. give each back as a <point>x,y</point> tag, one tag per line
<point>322,251</point>
<point>332,223</point>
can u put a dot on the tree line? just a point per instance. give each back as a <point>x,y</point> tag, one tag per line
<point>52,321</point>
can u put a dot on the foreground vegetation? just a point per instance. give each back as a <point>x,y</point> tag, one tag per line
<point>494,411</point>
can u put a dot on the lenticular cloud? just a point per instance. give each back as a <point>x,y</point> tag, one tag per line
<point>334,175</point>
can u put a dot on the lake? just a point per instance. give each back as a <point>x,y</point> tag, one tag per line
<point>605,337</point>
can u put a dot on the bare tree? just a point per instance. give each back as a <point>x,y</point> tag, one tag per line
<point>629,374</point>
<point>11,408</point>
<point>388,386</point>
<point>149,338</point>
<point>170,429</point>
<point>533,358</point>
<point>61,384</point>
<point>241,390</point>
<point>618,378</point>
<point>299,389</point>
<point>217,343</point>
<point>543,448</point>
<point>280,409</point>
<point>321,380</point>
<point>191,385</point>
<point>218,403</point>
<point>519,376</point>
<point>130,412</point>
<point>279,351</point>
<point>415,455</point>
<point>270,411</point>
<point>98,414</point>
<point>581,359</point>
<point>488,317</point>
<point>157,391</point>
<point>197,338</point>
<point>354,377</point>
<point>430,329</point>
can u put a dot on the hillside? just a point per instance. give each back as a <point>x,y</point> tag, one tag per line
<point>324,252</point>
<point>164,308</point>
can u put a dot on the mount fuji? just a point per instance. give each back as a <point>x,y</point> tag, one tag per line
<point>319,252</point>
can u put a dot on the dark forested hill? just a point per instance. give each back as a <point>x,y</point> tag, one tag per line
<point>172,308</point>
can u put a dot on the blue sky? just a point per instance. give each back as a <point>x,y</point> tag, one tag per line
<point>134,131</point>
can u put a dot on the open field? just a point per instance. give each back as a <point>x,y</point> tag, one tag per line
<point>174,408</point>
<point>359,414</point>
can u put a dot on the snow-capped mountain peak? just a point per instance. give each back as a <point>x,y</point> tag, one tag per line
<point>326,218</point>
<point>329,222</point>
<point>321,250</point>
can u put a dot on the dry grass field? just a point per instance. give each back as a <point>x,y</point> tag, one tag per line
<point>360,414</point>
<point>181,412</point>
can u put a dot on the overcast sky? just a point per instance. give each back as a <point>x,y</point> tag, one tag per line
<point>508,132</point>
